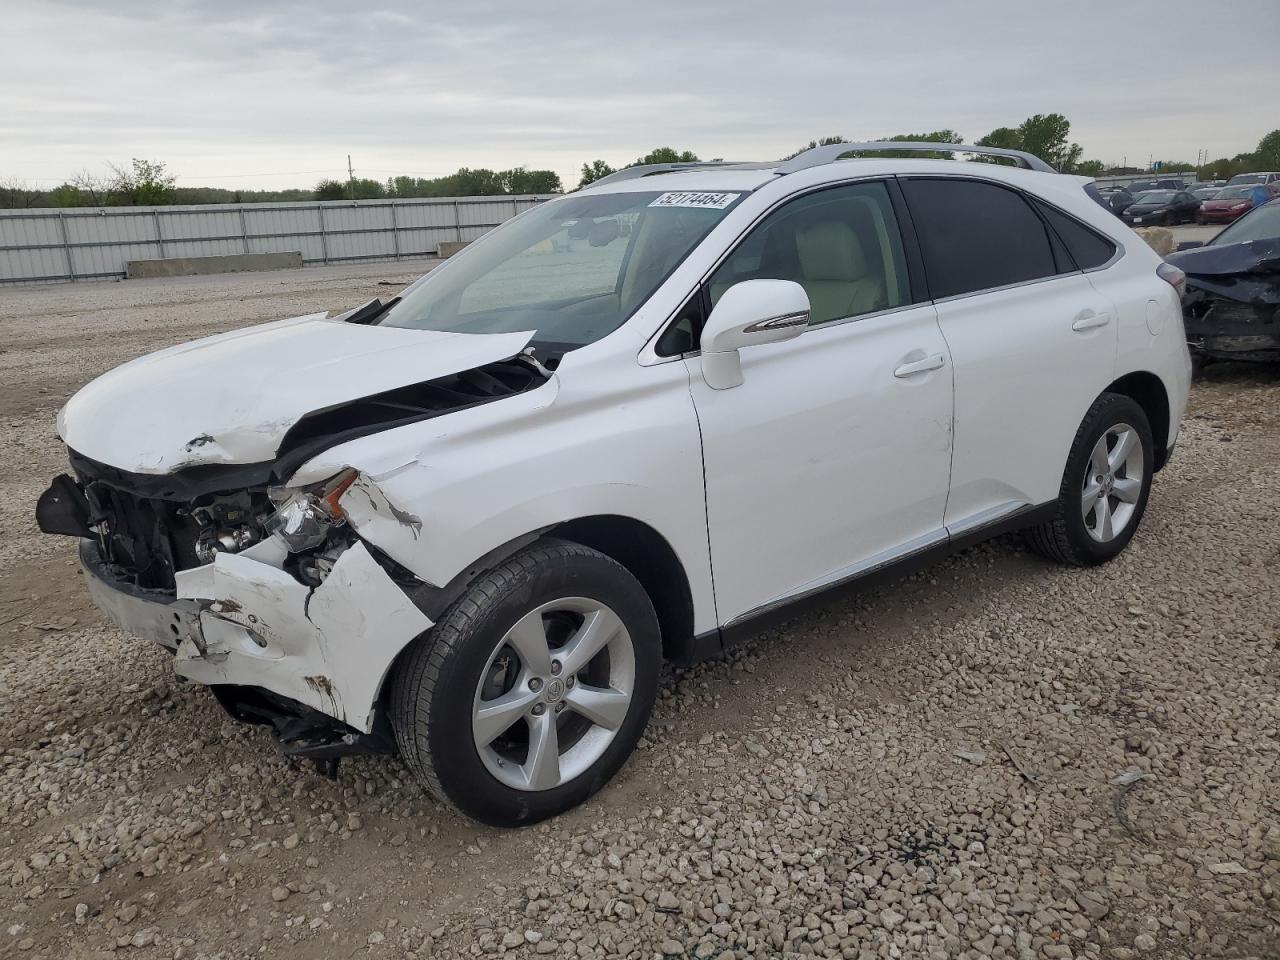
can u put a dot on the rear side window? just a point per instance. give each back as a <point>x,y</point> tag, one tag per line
<point>1088,248</point>
<point>976,236</point>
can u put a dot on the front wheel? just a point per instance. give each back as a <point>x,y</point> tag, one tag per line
<point>1104,487</point>
<point>533,689</point>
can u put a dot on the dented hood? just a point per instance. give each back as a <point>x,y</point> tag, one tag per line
<point>231,398</point>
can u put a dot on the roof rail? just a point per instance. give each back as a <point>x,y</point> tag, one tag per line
<point>818,156</point>
<point>649,169</point>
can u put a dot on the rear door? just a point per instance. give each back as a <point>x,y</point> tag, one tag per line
<point>1032,342</point>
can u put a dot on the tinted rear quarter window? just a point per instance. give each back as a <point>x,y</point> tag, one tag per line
<point>1088,248</point>
<point>976,236</point>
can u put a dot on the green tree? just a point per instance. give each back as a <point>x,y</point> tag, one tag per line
<point>142,183</point>
<point>66,195</point>
<point>521,181</point>
<point>593,171</point>
<point>18,194</point>
<point>666,155</point>
<point>935,136</point>
<point>329,189</point>
<point>1044,135</point>
<point>820,142</point>
<point>1267,156</point>
<point>1006,138</point>
<point>1089,168</point>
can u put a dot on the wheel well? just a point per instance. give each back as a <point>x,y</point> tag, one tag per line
<point>1148,392</point>
<point>650,559</point>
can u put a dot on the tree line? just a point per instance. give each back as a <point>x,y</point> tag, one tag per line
<point>1047,136</point>
<point>465,183</point>
<point>148,182</point>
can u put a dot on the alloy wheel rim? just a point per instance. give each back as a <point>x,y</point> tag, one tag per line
<point>1112,484</point>
<point>553,694</point>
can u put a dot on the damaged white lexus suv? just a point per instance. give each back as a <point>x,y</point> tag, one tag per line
<point>634,423</point>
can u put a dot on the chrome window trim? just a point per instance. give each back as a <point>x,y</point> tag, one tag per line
<point>1008,286</point>
<point>816,327</point>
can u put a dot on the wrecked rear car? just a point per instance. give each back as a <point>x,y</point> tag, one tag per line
<point>1232,301</point>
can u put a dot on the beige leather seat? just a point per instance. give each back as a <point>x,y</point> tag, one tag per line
<point>834,272</point>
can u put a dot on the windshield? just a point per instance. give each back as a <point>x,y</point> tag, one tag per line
<point>572,270</point>
<point>1156,196</point>
<point>1261,224</point>
<point>1235,193</point>
<point>1248,178</point>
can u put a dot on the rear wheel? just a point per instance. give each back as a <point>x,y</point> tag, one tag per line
<point>1104,487</point>
<point>534,687</point>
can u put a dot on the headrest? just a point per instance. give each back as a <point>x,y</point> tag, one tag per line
<point>830,250</point>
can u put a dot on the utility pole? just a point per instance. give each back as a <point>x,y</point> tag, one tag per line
<point>351,177</point>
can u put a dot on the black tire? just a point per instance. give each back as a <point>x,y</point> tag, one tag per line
<point>435,682</point>
<point>1065,538</point>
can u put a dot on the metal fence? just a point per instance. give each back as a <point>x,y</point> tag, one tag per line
<point>95,243</point>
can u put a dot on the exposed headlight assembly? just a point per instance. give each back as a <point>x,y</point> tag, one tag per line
<point>304,517</point>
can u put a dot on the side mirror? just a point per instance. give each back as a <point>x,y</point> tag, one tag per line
<point>1190,244</point>
<point>750,313</point>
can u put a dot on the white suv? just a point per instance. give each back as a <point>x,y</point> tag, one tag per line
<point>633,423</point>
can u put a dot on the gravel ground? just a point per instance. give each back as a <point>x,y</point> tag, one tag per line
<point>994,758</point>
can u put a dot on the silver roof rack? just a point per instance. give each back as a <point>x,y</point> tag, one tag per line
<point>649,169</point>
<point>818,156</point>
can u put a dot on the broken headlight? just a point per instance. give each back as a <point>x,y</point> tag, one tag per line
<point>303,518</point>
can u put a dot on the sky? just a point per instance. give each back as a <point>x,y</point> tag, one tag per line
<point>266,95</point>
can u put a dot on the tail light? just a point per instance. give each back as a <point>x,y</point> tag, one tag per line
<point>1173,277</point>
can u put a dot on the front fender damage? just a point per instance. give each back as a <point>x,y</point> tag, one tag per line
<point>328,647</point>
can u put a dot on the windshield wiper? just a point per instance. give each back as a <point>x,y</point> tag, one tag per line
<point>368,313</point>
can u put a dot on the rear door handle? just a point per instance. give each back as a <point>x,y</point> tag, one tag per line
<point>932,362</point>
<point>1088,320</point>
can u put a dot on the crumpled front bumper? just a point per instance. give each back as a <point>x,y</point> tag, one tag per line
<point>244,621</point>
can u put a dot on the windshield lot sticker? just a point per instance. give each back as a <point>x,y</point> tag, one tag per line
<point>707,201</point>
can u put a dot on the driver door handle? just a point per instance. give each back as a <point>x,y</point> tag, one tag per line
<point>931,362</point>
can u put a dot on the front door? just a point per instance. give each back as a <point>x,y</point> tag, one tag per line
<point>833,456</point>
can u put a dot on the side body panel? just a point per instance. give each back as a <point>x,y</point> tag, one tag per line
<point>1152,337</point>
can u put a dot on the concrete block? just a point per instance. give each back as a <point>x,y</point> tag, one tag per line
<point>449,247</point>
<point>195,266</point>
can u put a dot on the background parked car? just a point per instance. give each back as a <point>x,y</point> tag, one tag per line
<point>1174,184</point>
<point>1116,200</point>
<point>1162,207</point>
<point>1141,186</point>
<point>1268,176</point>
<point>1231,203</point>
<point>1204,191</point>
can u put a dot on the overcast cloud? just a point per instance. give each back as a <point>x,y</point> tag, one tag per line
<point>265,95</point>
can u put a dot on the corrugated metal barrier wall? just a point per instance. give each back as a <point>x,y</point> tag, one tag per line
<point>82,243</point>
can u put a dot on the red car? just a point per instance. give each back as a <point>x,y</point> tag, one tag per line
<point>1230,203</point>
